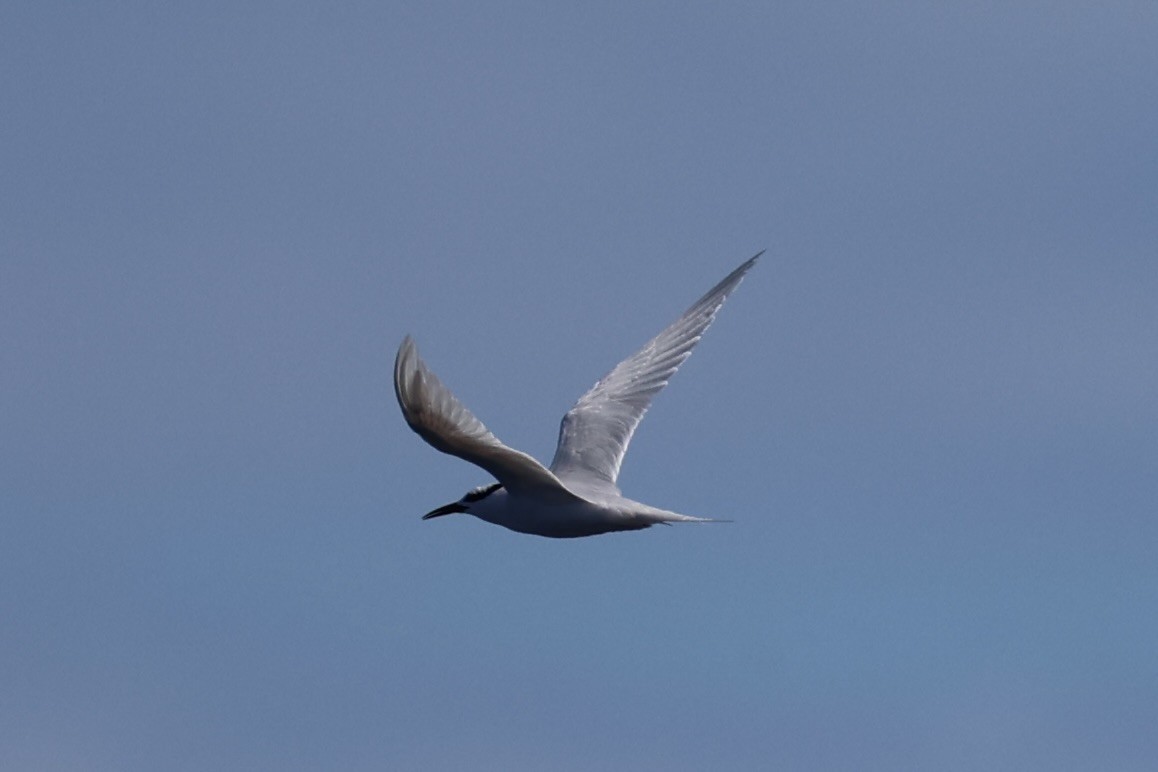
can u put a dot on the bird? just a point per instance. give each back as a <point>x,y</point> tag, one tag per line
<point>578,494</point>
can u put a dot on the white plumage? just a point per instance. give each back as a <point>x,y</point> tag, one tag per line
<point>578,495</point>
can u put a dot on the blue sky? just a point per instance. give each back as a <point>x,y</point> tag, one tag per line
<point>930,409</point>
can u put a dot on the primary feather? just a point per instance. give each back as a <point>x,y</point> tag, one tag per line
<point>437,416</point>
<point>594,435</point>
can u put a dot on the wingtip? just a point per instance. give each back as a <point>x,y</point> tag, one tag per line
<point>407,350</point>
<point>403,359</point>
<point>732,280</point>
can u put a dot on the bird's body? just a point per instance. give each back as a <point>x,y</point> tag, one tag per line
<point>584,516</point>
<point>578,495</point>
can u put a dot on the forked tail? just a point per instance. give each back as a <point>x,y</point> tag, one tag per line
<point>667,518</point>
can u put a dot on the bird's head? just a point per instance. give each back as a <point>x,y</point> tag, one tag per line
<point>471,498</point>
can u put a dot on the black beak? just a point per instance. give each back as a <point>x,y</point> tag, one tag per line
<point>449,509</point>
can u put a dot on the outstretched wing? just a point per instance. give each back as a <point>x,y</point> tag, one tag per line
<point>437,416</point>
<point>595,432</point>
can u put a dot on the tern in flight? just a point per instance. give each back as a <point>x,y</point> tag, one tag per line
<point>577,495</point>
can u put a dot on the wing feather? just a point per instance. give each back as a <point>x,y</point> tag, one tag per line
<point>594,434</point>
<point>438,417</point>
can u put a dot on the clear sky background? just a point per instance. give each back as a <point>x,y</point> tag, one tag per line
<point>930,409</point>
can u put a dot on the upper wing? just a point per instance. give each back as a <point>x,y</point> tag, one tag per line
<point>438,417</point>
<point>595,432</point>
